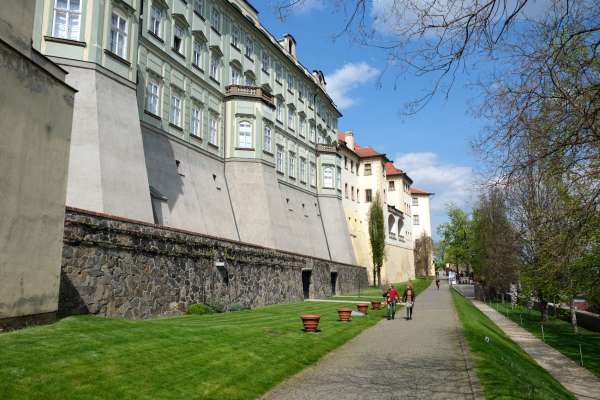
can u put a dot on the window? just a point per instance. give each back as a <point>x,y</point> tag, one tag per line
<point>290,82</point>
<point>280,158</point>
<point>368,195</point>
<point>367,169</point>
<point>345,190</point>
<point>152,97</point>
<point>313,174</point>
<point>328,177</point>
<point>198,53</point>
<point>196,121</point>
<point>156,16</point>
<point>250,80</point>
<point>178,39</point>
<point>415,201</point>
<point>176,109</point>
<point>338,178</point>
<point>301,92</point>
<point>199,7</point>
<point>236,75</point>
<point>313,133</point>
<point>266,61</point>
<point>302,169</point>
<point>345,162</point>
<point>352,166</point>
<point>245,135</point>
<point>249,47</point>
<point>67,19</point>
<point>292,165</point>
<point>213,125</point>
<point>279,111</point>
<point>291,118</point>
<point>118,35</point>
<point>267,142</point>
<point>415,219</point>
<point>235,36</point>
<point>311,100</point>
<point>278,72</point>
<point>352,192</point>
<point>391,186</point>
<point>216,20</point>
<point>302,128</point>
<point>357,196</point>
<point>215,70</point>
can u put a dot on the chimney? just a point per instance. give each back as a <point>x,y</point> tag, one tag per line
<point>350,139</point>
<point>289,44</point>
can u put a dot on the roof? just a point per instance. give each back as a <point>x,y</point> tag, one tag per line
<point>360,151</point>
<point>390,169</point>
<point>414,190</point>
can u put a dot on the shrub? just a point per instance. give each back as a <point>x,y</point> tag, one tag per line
<point>199,309</point>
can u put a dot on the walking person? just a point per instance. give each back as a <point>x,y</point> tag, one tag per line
<point>392,299</point>
<point>437,282</point>
<point>408,297</point>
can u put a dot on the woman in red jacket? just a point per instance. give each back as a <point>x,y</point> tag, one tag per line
<point>391,300</point>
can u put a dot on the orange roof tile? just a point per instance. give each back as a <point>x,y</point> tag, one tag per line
<point>415,190</point>
<point>390,169</point>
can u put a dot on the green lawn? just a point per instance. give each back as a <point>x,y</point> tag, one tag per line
<point>237,355</point>
<point>504,369</point>
<point>559,334</point>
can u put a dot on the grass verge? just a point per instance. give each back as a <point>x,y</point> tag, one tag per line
<point>558,334</point>
<point>504,370</point>
<point>237,355</point>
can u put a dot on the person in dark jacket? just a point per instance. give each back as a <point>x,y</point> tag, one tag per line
<point>408,297</point>
<point>392,298</point>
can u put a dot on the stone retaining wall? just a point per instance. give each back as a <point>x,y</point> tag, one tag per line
<point>121,268</point>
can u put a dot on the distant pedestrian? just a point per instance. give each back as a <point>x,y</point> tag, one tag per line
<point>409,299</point>
<point>437,283</point>
<point>392,299</point>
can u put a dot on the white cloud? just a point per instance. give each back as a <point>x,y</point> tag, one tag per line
<point>451,183</point>
<point>349,77</point>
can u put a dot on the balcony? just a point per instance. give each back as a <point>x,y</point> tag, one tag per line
<point>255,92</point>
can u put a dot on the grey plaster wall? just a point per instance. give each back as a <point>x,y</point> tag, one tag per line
<point>336,228</point>
<point>107,170</point>
<point>120,268</point>
<point>196,193</point>
<point>35,125</point>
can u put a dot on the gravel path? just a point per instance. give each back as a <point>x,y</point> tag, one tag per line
<point>418,359</point>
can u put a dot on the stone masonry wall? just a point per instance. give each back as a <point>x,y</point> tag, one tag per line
<point>120,268</point>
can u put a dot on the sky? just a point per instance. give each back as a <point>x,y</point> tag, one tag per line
<point>433,146</point>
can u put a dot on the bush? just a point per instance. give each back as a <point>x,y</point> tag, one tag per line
<point>199,309</point>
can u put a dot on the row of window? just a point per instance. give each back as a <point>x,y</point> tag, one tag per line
<point>368,170</point>
<point>368,194</point>
<point>66,24</point>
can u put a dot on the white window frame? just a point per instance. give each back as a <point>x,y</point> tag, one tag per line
<point>118,35</point>
<point>153,96</point>
<point>302,126</point>
<point>176,109</point>
<point>177,29</point>
<point>215,66</point>
<point>280,158</point>
<point>236,35</point>
<point>292,165</point>
<point>198,53</point>
<point>313,132</point>
<point>268,138</point>
<point>215,20</point>
<point>196,121</point>
<point>213,129</point>
<point>70,15</point>
<point>313,174</point>
<point>415,201</point>
<point>416,219</point>
<point>156,17</point>
<point>249,47</point>
<point>236,75</point>
<point>245,134</point>
<point>302,169</point>
<point>278,72</point>
<point>199,7</point>
<point>291,118</point>
<point>328,177</point>
<point>279,110</point>
<point>249,79</point>
<point>266,61</point>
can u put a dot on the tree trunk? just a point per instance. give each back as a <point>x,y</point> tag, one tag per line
<point>544,310</point>
<point>573,316</point>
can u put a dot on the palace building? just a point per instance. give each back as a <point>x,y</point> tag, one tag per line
<point>190,114</point>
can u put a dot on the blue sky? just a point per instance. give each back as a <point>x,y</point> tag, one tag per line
<point>432,146</point>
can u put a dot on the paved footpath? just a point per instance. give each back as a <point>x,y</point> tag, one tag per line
<point>418,359</point>
<point>579,381</point>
